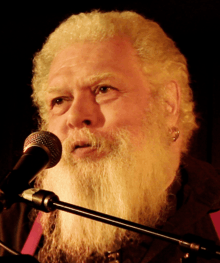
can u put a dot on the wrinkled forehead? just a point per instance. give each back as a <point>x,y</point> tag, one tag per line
<point>117,51</point>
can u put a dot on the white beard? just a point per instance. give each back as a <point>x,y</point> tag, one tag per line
<point>127,182</point>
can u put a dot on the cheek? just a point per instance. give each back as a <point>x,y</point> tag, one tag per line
<point>57,126</point>
<point>125,116</point>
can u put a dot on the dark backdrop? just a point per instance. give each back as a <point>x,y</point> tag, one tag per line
<point>193,24</point>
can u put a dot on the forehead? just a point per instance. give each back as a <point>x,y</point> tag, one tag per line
<point>110,55</point>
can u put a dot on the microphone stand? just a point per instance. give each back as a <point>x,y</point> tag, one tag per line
<point>191,245</point>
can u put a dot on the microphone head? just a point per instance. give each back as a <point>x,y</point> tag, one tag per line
<point>49,142</point>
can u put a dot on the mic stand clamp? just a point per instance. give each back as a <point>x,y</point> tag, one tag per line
<point>41,199</point>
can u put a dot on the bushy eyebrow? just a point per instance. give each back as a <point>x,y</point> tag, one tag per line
<point>94,79</point>
<point>86,82</point>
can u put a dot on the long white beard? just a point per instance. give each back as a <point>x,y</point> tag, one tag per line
<point>128,183</point>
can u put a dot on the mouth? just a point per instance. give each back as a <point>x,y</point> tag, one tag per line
<point>82,144</point>
<point>86,149</point>
<point>78,146</point>
<point>82,149</point>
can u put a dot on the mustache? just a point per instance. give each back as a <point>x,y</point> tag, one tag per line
<point>85,138</point>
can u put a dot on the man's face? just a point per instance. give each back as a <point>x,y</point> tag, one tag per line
<point>96,85</point>
<point>116,156</point>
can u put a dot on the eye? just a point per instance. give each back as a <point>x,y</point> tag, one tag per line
<point>105,94</point>
<point>59,105</point>
<point>57,101</point>
<point>103,89</point>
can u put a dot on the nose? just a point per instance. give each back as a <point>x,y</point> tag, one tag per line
<point>84,112</point>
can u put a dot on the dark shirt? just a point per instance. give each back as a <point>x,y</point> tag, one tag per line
<point>14,227</point>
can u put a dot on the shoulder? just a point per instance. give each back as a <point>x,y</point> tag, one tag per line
<point>203,179</point>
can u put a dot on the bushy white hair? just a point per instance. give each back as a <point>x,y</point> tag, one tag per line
<point>160,59</point>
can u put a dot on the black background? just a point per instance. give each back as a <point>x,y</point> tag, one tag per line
<point>192,24</point>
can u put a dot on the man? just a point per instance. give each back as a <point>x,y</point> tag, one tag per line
<point>115,90</point>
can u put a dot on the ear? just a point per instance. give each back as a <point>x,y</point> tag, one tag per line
<point>172,102</point>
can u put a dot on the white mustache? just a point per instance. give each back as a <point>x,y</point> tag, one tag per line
<point>85,138</point>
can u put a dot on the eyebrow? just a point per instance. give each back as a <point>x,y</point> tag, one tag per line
<point>87,81</point>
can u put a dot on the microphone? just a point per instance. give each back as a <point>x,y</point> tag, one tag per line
<point>42,150</point>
